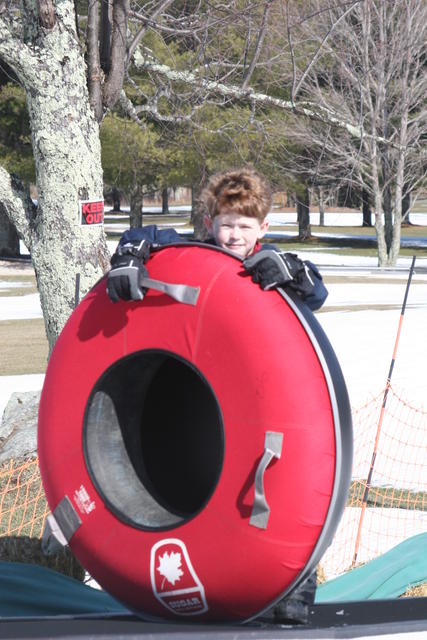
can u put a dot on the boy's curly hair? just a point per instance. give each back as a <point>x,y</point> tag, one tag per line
<point>241,191</point>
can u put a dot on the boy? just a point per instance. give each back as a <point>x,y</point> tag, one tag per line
<point>236,204</point>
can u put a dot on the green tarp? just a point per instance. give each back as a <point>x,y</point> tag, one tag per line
<point>30,590</point>
<point>387,576</point>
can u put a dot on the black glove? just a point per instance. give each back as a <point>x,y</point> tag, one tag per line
<point>127,271</point>
<point>272,269</point>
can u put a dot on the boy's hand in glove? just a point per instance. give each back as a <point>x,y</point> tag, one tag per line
<point>127,271</point>
<point>271,269</point>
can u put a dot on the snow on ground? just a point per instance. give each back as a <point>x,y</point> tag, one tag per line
<point>402,524</point>
<point>361,321</point>
<point>5,285</point>
<point>20,307</point>
<point>335,218</point>
<point>363,341</point>
<point>10,384</point>
<point>332,219</point>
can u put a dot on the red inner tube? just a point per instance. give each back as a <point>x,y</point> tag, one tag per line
<point>152,426</point>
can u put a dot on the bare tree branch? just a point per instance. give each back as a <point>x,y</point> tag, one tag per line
<point>16,53</point>
<point>291,50</point>
<point>137,39</point>
<point>258,46</point>
<point>18,205</point>
<point>308,109</point>
<point>320,49</point>
<point>93,60</point>
<point>114,82</point>
<point>178,30</point>
<point>129,109</point>
<point>105,35</point>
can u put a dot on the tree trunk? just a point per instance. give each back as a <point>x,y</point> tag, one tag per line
<point>66,147</point>
<point>397,222</point>
<point>378,206</point>
<point>366,210</point>
<point>388,217</point>
<point>303,214</point>
<point>116,199</point>
<point>200,232</point>
<point>290,200</point>
<point>136,202</point>
<point>165,201</point>
<point>321,207</point>
<point>406,207</point>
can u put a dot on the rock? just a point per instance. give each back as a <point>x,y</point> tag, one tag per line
<point>18,430</point>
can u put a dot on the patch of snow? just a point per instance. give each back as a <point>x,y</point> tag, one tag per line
<point>20,307</point>
<point>10,384</point>
<point>5,285</point>
<point>406,523</point>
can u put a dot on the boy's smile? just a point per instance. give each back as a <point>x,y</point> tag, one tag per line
<point>236,233</point>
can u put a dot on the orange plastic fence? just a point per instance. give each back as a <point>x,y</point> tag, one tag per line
<point>396,502</point>
<point>23,506</point>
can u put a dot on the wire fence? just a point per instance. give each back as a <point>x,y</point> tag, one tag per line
<point>395,497</point>
<point>23,506</point>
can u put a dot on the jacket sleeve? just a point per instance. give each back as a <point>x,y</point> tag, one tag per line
<point>317,297</point>
<point>319,294</point>
<point>150,233</point>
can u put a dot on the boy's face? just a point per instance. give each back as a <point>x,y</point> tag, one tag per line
<point>236,233</point>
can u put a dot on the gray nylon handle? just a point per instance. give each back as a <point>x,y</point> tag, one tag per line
<point>180,292</point>
<point>60,526</point>
<point>260,509</point>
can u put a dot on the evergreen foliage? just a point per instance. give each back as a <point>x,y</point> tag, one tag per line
<point>15,137</point>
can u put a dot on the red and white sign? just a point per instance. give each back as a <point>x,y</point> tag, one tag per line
<point>175,583</point>
<point>91,212</point>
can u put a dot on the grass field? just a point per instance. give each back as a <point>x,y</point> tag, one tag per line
<point>387,497</point>
<point>24,344</point>
<point>17,285</point>
<point>24,347</point>
<point>358,241</point>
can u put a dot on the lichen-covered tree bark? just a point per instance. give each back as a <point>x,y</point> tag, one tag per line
<point>42,47</point>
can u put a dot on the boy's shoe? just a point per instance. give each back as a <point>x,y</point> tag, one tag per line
<point>295,609</point>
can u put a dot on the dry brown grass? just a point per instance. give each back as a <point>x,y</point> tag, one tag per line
<point>24,347</point>
<point>13,283</point>
<point>420,591</point>
<point>321,575</point>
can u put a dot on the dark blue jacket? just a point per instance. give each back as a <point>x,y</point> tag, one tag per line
<point>169,236</point>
